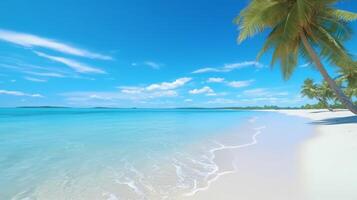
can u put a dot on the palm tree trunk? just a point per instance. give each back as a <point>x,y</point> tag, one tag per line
<point>327,106</point>
<point>340,95</point>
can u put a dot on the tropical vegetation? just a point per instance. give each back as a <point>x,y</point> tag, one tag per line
<point>311,29</point>
<point>321,92</point>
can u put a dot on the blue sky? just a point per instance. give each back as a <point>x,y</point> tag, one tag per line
<point>138,54</point>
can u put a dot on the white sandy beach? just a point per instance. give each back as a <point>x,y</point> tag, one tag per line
<point>329,159</point>
<point>313,159</point>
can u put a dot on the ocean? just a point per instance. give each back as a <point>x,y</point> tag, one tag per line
<point>70,153</point>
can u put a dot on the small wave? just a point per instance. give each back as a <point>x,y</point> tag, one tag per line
<point>213,151</point>
<point>110,196</point>
<point>253,119</point>
<point>128,179</point>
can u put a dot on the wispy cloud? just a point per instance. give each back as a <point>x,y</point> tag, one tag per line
<point>222,101</point>
<point>264,92</point>
<point>45,74</point>
<point>229,67</point>
<point>39,71</point>
<point>75,65</point>
<point>291,101</point>
<point>19,93</point>
<point>28,40</point>
<point>132,89</point>
<point>240,84</point>
<point>266,96</point>
<point>204,90</point>
<point>305,65</point>
<point>215,80</point>
<point>151,64</point>
<point>34,79</point>
<point>117,96</point>
<point>206,69</point>
<point>235,84</point>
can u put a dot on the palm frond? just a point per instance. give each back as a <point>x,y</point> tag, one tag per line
<point>344,15</point>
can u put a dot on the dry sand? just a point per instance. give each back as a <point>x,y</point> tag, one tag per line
<point>310,155</point>
<point>329,159</point>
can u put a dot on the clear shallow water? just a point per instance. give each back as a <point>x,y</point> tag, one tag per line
<point>113,153</point>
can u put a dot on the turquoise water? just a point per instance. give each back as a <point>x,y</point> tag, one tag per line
<point>111,153</point>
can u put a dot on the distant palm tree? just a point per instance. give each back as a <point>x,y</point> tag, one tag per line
<point>320,92</point>
<point>348,80</point>
<point>310,28</point>
<point>349,75</point>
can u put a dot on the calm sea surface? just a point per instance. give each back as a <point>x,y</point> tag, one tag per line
<point>50,154</point>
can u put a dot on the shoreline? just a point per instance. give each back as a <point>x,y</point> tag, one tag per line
<point>285,154</point>
<point>313,169</point>
<point>222,148</point>
<point>268,166</point>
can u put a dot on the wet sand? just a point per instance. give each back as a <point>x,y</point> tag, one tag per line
<point>267,170</point>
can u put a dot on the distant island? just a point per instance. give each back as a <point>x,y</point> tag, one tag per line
<point>265,107</point>
<point>43,107</point>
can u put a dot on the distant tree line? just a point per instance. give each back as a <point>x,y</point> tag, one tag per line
<point>325,96</point>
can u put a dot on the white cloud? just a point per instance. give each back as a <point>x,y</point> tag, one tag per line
<point>207,69</point>
<point>229,67</point>
<point>222,101</point>
<point>118,96</point>
<point>215,80</point>
<point>152,64</point>
<point>233,66</point>
<point>169,85</point>
<point>99,97</point>
<point>240,84</point>
<point>34,79</point>
<point>256,92</point>
<point>205,90</point>
<point>45,74</point>
<point>266,96</point>
<point>305,65</point>
<point>132,90</point>
<point>264,92</point>
<point>18,93</point>
<point>77,66</point>
<point>137,94</point>
<point>157,88</point>
<point>188,100</point>
<point>36,95</point>
<point>36,70</point>
<point>28,40</point>
<point>167,93</point>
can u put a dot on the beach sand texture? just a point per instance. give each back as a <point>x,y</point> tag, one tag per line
<point>329,159</point>
<point>313,159</point>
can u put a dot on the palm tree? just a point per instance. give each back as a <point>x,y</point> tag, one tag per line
<point>320,92</point>
<point>312,29</point>
<point>349,75</point>
<point>348,80</point>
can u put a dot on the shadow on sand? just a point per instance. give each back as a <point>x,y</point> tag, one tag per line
<point>321,111</point>
<point>337,120</point>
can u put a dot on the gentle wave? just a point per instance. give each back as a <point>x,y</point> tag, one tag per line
<point>220,148</point>
<point>121,157</point>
